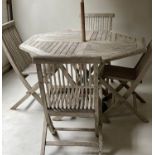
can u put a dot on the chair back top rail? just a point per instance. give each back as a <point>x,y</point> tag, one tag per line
<point>100,14</point>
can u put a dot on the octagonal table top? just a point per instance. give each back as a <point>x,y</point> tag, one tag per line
<point>107,44</point>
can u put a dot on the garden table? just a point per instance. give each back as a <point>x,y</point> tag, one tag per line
<point>106,44</point>
<point>109,45</point>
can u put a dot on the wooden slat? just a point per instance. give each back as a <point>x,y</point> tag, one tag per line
<point>51,47</point>
<point>72,113</point>
<point>76,129</point>
<point>71,143</point>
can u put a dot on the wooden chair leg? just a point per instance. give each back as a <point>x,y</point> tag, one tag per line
<point>109,96</point>
<point>134,101</point>
<point>50,124</point>
<point>105,119</point>
<point>44,136</point>
<point>137,95</point>
<point>14,107</point>
<point>122,99</point>
<point>96,126</point>
<point>100,134</point>
<point>100,140</point>
<point>141,117</point>
<point>111,80</point>
<point>36,96</point>
<point>140,98</point>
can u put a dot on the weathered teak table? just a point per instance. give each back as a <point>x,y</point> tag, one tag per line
<point>108,45</point>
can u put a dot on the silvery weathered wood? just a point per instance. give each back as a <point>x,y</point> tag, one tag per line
<point>69,92</point>
<point>106,44</point>
<point>20,61</point>
<point>99,21</point>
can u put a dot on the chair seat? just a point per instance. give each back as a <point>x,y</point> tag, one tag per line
<point>121,73</point>
<point>31,69</point>
<point>81,102</point>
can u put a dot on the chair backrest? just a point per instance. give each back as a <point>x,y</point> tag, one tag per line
<point>67,79</point>
<point>145,60</point>
<point>11,41</point>
<point>99,21</point>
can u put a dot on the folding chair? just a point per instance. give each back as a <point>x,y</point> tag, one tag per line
<point>99,21</point>
<point>20,61</point>
<point>127,75</point>
<point>69,93</point>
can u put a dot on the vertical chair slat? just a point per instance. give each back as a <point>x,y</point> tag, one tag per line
<point>64,94</point>
<point>73,88</point>
<point>68,91</point>
<point>47,84</point>
<point>89,84</point>
<point>81,89</point>
<point>86,85</point>
<point>56,89</point>
<point>51,81</point>
<point>78,80</point>
<point>59,90</point>
<point>99,22</point>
